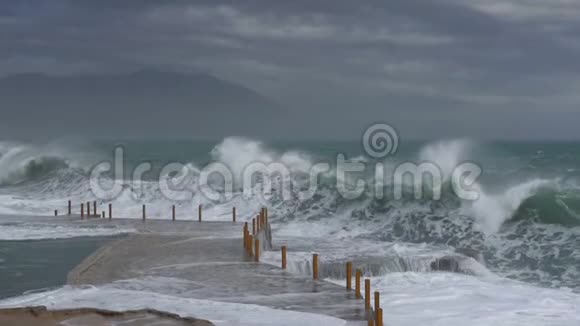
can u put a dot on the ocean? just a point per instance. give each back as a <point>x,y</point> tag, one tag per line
<point>509,257</point>
<point>41,265</point>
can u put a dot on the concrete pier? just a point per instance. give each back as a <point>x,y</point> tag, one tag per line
<point>211,256</point>
<point>207,260</point>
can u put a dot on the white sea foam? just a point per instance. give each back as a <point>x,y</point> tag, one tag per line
<point>34,231</point>
<point>449,299</point>
<point>490,210</point>
<point>219,313</point>
<point>446,154</point>
<point>327,215</point>
<point>444,299</point>
<point>235,152</point>
<point>16,157</point>
<point>238,152</point>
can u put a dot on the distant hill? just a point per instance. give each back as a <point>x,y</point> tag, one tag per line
<point>144,103</point>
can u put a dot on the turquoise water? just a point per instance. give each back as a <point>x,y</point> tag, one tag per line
<point>35,265</point>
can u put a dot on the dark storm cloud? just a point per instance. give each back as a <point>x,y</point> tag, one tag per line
<point>438,58</point>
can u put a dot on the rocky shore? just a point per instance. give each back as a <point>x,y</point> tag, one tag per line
<point>40,316</point>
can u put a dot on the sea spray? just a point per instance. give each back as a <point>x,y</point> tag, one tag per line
<point>522,224</point>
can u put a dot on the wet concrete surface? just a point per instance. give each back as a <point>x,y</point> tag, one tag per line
<point>203,261</point>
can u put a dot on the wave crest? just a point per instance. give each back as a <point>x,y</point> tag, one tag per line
<point>21,163</point>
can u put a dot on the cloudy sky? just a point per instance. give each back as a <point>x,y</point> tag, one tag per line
<point>431,68</point>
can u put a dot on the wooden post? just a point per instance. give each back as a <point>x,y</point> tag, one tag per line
<point>315,266</point>
<point>253,226</point>
<point>377,307</point>
<point>82,211</point>
<point>283,257</point>
<point>234,214</point>
<point>370,321</point>
<point>110,211</point>
<point>357,283</point>
<point>173,213</point>
<point>257,250</point>
<point>266,214</point>
<point>349,276</point>
<point>250,242</point>
<point>245,234</point>
<point>69,208</point>
<point>258,227</point>
<point>380,317</point>
<point>95,207</point>
<point>56,212</point>
<point>367,294</point>
<point>199,212</point>
<point>88,209</point>
<point>144,212</point>
<point>263,216</point>
<point>103,215</point>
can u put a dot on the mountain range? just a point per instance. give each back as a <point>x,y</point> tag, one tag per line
<point>143,103</point>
